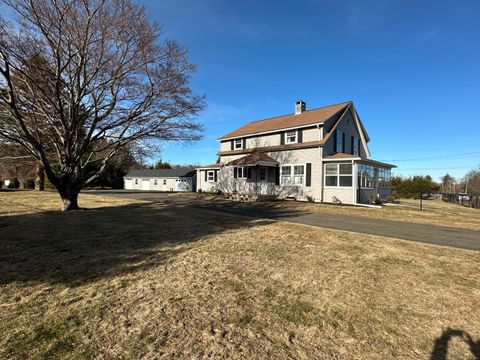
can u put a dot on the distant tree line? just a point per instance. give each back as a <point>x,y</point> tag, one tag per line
<point>470,183</point>
<point>413,186</point>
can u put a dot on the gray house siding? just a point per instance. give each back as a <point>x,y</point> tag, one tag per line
<point>348,126</point>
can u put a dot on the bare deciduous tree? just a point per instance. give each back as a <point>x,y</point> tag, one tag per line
<point>81,78</point>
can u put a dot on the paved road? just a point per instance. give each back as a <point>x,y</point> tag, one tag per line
<point>432,234</point>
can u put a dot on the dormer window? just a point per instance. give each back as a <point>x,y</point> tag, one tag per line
<point>238,144</point>
<point>291,137</point>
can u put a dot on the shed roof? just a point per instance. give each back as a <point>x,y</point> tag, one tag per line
<point>162,173</point>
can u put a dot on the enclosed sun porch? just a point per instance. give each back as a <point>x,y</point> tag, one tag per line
<point>355,180</point>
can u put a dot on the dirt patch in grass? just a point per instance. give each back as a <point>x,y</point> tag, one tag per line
<point>155,281</point>
<point>436,212</point>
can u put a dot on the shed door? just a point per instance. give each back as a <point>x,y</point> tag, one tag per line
<point>145,184</point>
<point>128,184</point>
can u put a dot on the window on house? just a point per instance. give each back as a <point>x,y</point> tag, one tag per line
<point>155,182</point>
<point>211,176</point>
<point>136,181</point>
<point>345,175</point>
<point>291,137</point>
<point>242,172</point>
<point>299,172</point>
<point>238,144</point>
<point>339,143</point>
<point>331,175</point>
<point>164,181</point>
<point>372,177</point>
<point>338,175</point>
<point>293,175</point>
<point>384,178</point>
<point>355,147</point>
<point>286,175</point>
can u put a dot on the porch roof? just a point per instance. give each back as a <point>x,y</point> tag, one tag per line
<point>254,159</point>
<point>358,159</point>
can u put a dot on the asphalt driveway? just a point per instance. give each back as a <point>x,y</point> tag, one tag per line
<point>432,234</point>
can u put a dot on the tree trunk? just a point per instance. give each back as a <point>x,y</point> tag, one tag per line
<point>69,195</point>
<point>40,177</point>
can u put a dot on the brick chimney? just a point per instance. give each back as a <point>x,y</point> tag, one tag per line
<point>300,107</point>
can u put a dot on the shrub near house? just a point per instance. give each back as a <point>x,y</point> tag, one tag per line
<point>13,183</point>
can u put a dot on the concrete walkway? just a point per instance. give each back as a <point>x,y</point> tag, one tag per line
<point>431,234</point>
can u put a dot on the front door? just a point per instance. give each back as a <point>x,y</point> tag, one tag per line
<point>262,180</point>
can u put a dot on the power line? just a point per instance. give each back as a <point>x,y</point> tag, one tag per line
<point>434,168</point>
<point>442,157</point>
<point>424,150</point>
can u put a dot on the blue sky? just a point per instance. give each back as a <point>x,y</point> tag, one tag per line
<point>411,68</point>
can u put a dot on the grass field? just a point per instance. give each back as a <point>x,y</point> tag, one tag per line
<point>129,279</point>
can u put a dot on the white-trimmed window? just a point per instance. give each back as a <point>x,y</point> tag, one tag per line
<point>292,174</point>
<point>238,144</point>
<point>286,175</point>
<point>331,175</point>
<point>136,181</point>
<point>298,174</point>
<point>242,172</point>
<point>164,181</point>
<point>339,175</point>
<point>345,174</point>
<point>211,176</point>
<point>291,137</point>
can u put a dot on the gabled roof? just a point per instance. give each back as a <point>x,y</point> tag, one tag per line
<point>162,173</point>
<point>308,117</point>
<point>256,158</point>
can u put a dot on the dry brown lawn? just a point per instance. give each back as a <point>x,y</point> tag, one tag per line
<point>29,202</point>
<point>436,212</point>
<point>137,280</point>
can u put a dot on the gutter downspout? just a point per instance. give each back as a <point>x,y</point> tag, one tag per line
<point>320,130</point>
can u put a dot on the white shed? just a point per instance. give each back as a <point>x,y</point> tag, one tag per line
<point>178,179</point>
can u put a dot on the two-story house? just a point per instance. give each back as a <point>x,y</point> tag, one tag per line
<point>321,153</point>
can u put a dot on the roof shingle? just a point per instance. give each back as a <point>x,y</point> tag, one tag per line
<point>309,117</point>
<point>253,159</point>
